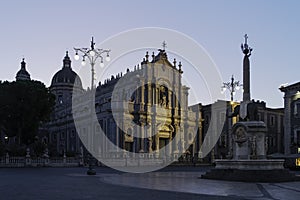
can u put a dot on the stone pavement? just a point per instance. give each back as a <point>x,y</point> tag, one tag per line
<point>190,183</point>
<point>169,183</point>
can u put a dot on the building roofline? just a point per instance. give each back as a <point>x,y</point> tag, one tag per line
<point>294,86</point>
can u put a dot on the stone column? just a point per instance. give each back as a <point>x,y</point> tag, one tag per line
<point>230,140</point>
<point>278,136</point>
<point>156,145</point>
<point>287,122</point>
<point>169,100</point>
<point>142,88</point>
<point>137,139</point>
<point>27,159</point>
<point>153,91</point>
<point>150,145</point>
<point>170,153</point>
<point>182,145</point>
<point>117,138</point>
<point>81,162</point>
<point>246,79</point>
<point>200,136</point>
<point>176,139</point>
<point>6,158</point>
<point>149,99</point>
<point>157,96</point>
<point>64,157</point>
<point>178,96</point>
<point>46,157</point>
<point>142,137</point>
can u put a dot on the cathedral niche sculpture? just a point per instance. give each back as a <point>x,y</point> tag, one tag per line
<point>163,96</point>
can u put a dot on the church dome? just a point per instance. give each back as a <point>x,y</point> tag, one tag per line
<point>66,76</point>
<point>22,74</point>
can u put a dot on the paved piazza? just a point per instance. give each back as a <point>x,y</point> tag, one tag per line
<point>169,183</point>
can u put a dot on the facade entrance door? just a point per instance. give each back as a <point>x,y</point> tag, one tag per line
<point>129,146</point>
<point>163,142</point>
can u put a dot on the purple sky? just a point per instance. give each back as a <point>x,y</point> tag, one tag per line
<point>42,31</point>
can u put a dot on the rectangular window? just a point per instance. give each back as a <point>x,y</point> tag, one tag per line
<point>298,136</point>
<point>72,134</point>
<point>272,120</point>
<point>62,135</point>
<point>272,141</point>
<point>298,162</point>
<point>60,99</point>
<point>297,108</point>
<point>259,117</point>
<point>54,136</point>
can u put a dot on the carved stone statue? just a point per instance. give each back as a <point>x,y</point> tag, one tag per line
<point>251,112</point>
<point>163,96</point>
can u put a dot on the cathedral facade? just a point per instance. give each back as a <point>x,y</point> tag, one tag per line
<point>144,110</point>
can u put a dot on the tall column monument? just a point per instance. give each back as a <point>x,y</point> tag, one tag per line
<point>247,109</point>
<point>249,162</point>
<point>246,69</point>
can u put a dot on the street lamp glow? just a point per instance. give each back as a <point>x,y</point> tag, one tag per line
<point>223,90</point>
<point>92,53</point>
<point>107,58</point>
<point>83,63</point>
<point>101,64</point>
<point>76,57</point>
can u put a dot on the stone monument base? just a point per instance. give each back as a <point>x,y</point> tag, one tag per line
<point>251,171</point>
<point>262,164</point>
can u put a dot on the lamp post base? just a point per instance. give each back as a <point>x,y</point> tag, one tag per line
<point>91,171</point>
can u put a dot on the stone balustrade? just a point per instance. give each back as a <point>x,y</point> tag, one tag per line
<point>43,161</point>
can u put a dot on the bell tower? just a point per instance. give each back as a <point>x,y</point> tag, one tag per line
<point>22,74</point>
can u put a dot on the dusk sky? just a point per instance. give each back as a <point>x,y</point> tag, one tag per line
<point>42,31</point>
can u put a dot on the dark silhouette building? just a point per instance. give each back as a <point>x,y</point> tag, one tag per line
<point>291,118</point>
<point>22,74</point>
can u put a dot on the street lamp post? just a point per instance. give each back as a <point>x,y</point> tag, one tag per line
<point>92,54</point>
<point>232,87</point>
